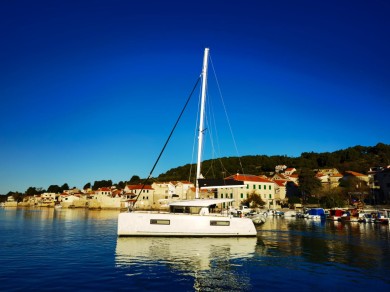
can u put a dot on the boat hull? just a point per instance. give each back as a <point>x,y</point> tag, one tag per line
<point>183,225</point>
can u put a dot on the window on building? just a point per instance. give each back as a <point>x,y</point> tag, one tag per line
<point>254,187</point>
<point>269,187</point>
<point>265,186</point>
<point>242,195</point>
<point>270,196</point>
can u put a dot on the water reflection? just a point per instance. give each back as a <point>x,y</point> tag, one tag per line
<point>51,214</point>
<point>212,263</point>
<point>359,245</point>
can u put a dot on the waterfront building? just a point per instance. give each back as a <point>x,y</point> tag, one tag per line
<point>145,196</point>
<point>280,192</point>
<point>253,184</point>
<point>379,183</point>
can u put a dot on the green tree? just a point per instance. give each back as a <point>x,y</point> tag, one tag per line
<point>54,189</point>
<point>308,183</point>
<point>253,200</point>
<point>31,191</point>
<point>87,186</point>
<point>18,197</point>
<point>101,184</point>
<point>135,179</point>
<point>121,185</point>
<point>333,198</point>
<point>354,188</point>
<point>64,187</point>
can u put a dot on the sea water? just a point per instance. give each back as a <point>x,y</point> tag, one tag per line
<point>46,249</point>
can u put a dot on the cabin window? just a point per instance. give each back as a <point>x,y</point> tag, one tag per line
<point>160,221</point>
<point>185,209</point>
<point>219,223</point>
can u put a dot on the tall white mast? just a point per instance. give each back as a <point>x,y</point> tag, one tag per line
<point>201,119</point>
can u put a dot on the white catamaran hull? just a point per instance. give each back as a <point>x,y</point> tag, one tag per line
<point>140,223</point>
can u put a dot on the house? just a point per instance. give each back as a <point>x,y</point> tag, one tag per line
<point>103,201</point>
<point>171,190</point>
<point>335,180</point>
<point>360,176</point>
<point>289,171</point>
<point>328,171</point>
<point>68,200</point>
<point>294,178</point>
<point>280,168</point>
<point>143,198</point>
<point>48,199</point>
<point>104,191</point>
<point>182,188</point>
<point>280,192</point>
<point>324,179</point>
<point>261,186</point>
<point>379,183</point>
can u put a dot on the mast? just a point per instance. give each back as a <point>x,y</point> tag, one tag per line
<point>201,119</point>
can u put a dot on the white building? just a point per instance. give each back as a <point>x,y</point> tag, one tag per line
<point>261,186</point>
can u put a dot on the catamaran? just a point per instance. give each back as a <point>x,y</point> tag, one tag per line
<point>190,217</point>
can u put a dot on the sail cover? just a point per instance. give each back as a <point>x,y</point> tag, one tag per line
<point>219,183</point>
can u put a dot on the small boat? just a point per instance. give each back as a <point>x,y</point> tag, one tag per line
<point>382,216</point>
<point>315,214</point>
<point>189,218</point>
<point>290,213</point>
<point>335,214</point>
<point>259,219</point>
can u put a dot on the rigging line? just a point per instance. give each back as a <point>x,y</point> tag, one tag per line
<point>166,142</point>
<point>227,117</point>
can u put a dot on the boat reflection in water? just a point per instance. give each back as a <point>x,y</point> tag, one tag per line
<point>207,260</point>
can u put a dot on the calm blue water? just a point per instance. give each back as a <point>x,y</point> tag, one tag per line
<point>49,250</point>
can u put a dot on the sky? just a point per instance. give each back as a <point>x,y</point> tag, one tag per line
<point>90,90</point>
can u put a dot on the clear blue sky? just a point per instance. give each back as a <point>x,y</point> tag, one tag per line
<point>89,90</point>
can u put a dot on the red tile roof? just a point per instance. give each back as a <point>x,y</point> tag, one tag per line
<point>337,175</point>
<point>104,189</point>
<point>280,182</point>
<point>354,173</point>
<point>138,187</point>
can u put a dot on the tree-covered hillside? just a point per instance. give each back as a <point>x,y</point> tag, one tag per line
<point>358,158</point>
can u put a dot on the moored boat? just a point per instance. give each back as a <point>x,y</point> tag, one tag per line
<point>335,214</point>
<point>315,214</point>
<point>189,217</point>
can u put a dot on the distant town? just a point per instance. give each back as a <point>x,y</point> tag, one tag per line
<point>285,187</point>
